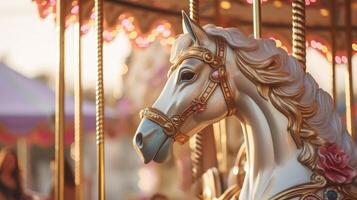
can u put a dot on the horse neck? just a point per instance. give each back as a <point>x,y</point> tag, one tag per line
<point>270,147</point>
<point>265,128</point>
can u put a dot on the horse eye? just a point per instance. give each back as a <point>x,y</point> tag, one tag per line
<point>187,76</point>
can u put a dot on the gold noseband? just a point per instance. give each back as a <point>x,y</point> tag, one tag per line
<point>171,125</point>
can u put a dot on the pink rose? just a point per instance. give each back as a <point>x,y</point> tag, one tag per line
<point>334,164</point>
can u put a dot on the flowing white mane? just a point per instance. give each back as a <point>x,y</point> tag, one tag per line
<point>279,77</point>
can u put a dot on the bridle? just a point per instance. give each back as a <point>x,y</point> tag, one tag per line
<point>218,77</point>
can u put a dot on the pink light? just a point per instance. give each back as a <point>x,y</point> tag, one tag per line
<point>85,28</point>
<point>344,59</point>
<point>107,36</point>
<point>160,28</point>
<point>125,23</point>
<point>166,33</point>
<point>130,27</point>
<point>92,16</point>
<point>319,45</point>
<point>338,59</point>
<point>75,10</point>
<point>313,44</point>
<point>52,2</point>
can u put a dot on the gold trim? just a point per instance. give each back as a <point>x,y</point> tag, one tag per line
<point>318,185</point>
<point>318,182</point>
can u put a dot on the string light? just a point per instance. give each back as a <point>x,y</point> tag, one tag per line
<point>319,46</point>
<point>307,2</point>
<point>278,3</point>
<point>279,43</point>
<point>226,5</point>
<point>324,12</point>
<point>163,30</point>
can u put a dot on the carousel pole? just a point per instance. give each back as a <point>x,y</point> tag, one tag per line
<point>59,115</point>
<point>349,81</point>
<point>220,128</point>
<point>257,19</point>
<point>78,130</point>
<point>298,31</point>
<point>196,143</point>
<point>333,49</point>
<point>100,100</point>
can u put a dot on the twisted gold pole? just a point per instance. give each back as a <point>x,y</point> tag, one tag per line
<point>196,143</point>
<point>299,41</point>
<point>59,115</point>
<point>100,100</point>
<point>349,80</point>
<point>78,131</point>
<point>219,128</point>
<point>194,10</point>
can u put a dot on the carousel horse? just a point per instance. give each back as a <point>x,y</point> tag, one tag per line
<point>297,147</point>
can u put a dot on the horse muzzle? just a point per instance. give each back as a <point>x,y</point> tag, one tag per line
<point>151,143</point>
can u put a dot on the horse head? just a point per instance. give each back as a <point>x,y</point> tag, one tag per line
<point>191,98</point>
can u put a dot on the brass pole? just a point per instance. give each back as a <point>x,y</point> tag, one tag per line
<point>196,143</point>
<point>22,154</point>
<point>219,128</point>
<point>257,19</point>
<point>333,48</point>
<point>194,10</point>
<point>100,100</point>
<point>59,115</point>
<point>298,31</point>
<point>349,80</point>
<point>78,130</point>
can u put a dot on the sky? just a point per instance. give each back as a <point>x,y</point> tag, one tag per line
<point>29,45</point>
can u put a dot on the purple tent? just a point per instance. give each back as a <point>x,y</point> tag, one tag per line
<point>26,103</point>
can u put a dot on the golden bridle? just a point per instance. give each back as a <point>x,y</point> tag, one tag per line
<point>218,77</point>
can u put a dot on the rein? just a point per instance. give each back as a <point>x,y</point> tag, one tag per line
<point>218,77</point>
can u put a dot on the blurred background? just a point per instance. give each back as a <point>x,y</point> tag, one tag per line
<point>138,35</point>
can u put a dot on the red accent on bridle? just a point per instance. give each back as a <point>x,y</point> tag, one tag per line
<point>218,77</point>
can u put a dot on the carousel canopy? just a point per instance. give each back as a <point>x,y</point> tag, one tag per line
<point>144,21</point>
<point>27,107</point>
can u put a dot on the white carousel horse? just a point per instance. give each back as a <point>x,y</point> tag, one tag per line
<point>297,147</point>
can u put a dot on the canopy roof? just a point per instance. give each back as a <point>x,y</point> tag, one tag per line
<point>144,21</point>
<point>27,107</point>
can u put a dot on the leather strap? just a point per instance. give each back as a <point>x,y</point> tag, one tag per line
<point>218,77</point>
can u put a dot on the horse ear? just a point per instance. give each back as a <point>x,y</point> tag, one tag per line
<point>198,35</point>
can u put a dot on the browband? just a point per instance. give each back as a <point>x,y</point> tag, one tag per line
<point>218,77</point>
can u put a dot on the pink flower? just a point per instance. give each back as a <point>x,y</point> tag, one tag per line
<point>333,162</point>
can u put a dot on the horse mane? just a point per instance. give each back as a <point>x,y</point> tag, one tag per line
<point>279,77</point>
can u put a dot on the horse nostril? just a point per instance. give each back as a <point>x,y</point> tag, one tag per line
<point>139,140</point>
